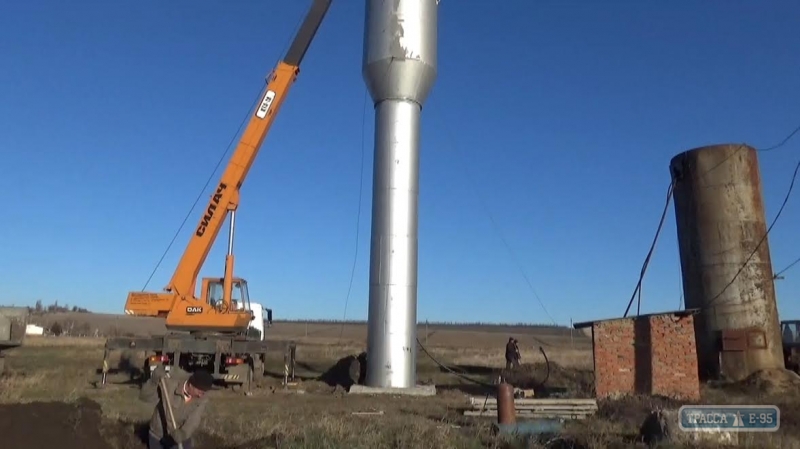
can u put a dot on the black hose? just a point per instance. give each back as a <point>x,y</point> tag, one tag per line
<point>480,382</point>
<point>547,365</point>
<point>452,371</point>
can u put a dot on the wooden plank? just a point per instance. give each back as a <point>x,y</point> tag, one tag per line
<point>476,400</point>
<point>593,409</point>
<point>567,410</point>
<point>493,414</point>
<point>564,406</point>
<point>554,412</point>
<point>540,400</point>
<point>540,407</point>
<point>531,412</point>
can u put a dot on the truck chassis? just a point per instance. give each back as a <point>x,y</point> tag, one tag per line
<point>233,360</point>
<point>13,321</point>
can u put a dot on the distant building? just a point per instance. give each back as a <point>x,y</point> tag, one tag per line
<point>33,329</point>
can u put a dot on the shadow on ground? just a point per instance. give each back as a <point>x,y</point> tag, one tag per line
<point>347,371</point>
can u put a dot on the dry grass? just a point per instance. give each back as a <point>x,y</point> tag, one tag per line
<point>14,387</point>
<point>64,369</point>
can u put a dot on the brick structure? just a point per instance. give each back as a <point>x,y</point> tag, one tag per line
<point>646,354</point>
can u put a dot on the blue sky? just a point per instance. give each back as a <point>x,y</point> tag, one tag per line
<point>555,119</point>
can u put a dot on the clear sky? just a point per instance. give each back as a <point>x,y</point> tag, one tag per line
<point>556,120</point>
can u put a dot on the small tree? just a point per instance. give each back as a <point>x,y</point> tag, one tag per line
<point>56,329</point>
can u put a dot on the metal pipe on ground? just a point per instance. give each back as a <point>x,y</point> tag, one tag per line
<point>507,417</point>
<point>506,411</point>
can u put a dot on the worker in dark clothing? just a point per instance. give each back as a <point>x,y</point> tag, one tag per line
<point>188,401</point>
<point>512,353</point>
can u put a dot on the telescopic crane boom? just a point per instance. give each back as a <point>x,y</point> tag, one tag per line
<point>214,310</point>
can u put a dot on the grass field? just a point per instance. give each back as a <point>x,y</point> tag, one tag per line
<point>320,415</point>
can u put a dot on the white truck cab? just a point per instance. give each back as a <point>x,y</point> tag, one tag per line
<point>258,319</point>
<point>262,318</point>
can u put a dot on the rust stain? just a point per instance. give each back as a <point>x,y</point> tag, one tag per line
<point>719,213</point>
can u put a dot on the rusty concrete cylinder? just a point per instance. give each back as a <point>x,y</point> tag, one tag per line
<point>719,212</point>
<point>506,411</point>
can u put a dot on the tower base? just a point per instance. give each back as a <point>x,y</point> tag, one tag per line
<point>418,390</point>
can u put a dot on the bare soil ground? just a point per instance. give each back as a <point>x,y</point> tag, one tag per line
<point>48,398</point>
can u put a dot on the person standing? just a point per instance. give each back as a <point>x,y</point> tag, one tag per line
<point>512,353</point>
<point>188,401</point>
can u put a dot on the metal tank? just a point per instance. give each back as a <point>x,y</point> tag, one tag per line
<point>719,211</point>
<point>399,68</point>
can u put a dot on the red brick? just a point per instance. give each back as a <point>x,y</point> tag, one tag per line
<point>672,360</point>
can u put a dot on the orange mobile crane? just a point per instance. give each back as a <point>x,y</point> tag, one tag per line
<point>212,331</point>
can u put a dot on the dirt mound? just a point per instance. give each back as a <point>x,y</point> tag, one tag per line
<point>78,425</point>
<point>52,424</point>
<point>773,381</point>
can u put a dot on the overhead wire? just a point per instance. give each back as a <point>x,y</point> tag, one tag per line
<point>779,273</point>
<point>358,215</point>
<point>761,241</point>
<point>219,161</point>
<point>451,370</point>
<point>478,381</point>
<point>782,142</point>
<point>454,148</point>
<point>647,258</point>
<point>355,258</point>
<point>666,207</point>
<point>200,195</point>
<point>774,221</point>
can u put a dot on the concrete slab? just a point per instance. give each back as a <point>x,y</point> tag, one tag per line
<point>419,390</point>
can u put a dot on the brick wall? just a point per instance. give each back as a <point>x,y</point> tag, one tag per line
<point>653,354</point>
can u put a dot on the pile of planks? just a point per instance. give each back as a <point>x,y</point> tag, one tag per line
<point>536,408</point>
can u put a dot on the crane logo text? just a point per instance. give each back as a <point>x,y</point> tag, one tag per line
<point>194,309</point>
<point>265,104</point>
<point>210,210</point>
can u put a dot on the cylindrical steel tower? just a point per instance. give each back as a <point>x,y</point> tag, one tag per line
<point>720,221</point>
<point>399,68</point>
